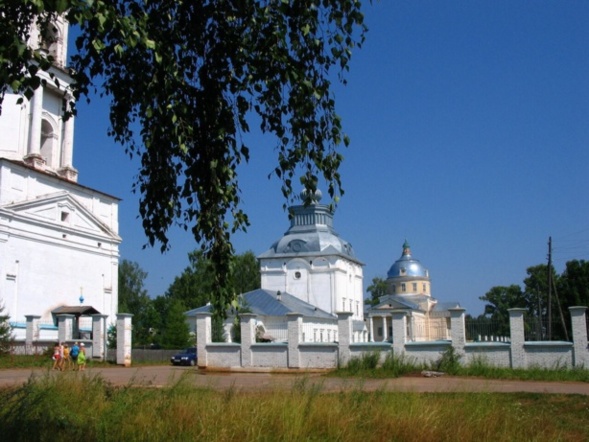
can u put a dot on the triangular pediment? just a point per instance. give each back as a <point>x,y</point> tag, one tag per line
<point>389,302</point>
<point>61,210</point>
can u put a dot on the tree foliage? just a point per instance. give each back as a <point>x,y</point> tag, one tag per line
<point>571,288</point>
<point>6,337</point>
<point>133,298</point>
<point>195,287</point>
<point>176,333</point>
<point>377,289</point>
<point>498,300</point>
<point>183,79</point>
<point>573,283</point>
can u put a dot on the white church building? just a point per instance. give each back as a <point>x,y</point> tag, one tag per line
<point>59,241</point>
<point>311,271</point>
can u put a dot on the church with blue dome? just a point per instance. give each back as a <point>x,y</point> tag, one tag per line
<point>409,289</point>
<point>312,271</point>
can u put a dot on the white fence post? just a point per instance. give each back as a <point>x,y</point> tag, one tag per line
<point>458,329</point>
<point>295,324</point>
<point>399,325</point>
<point>203,337</point>
<point>124,338</point>
<point>344,331</point>
<point>99,336</point>
<point>33,330</point>
<point>516,326</point>
<point>65,327</point>
<point>579,325</point>
<point>248,337</point>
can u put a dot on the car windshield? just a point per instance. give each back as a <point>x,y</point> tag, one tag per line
<point>191,350</point>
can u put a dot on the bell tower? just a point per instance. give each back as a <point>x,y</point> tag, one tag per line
<point>35,132</point>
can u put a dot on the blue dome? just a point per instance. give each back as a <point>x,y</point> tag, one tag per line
<point>407,266</point>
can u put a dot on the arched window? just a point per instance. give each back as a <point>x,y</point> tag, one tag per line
<point>47,142</point>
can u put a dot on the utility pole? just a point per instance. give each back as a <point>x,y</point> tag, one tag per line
<point>550,288</point>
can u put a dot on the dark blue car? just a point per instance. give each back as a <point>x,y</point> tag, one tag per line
<point>188,357</point>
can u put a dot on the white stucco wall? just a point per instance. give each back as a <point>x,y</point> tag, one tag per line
<point>58,240</point>
<point>325,282</point>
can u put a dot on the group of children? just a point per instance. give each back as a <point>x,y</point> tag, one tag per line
<point>65,357</point>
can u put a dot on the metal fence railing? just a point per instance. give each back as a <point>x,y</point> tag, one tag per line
<point>486,330</point>
<point>536,329</point>
<point>418,332</point>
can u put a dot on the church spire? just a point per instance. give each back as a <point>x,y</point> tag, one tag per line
<point>406,249</point>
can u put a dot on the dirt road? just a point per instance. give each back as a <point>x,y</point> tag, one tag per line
<point>157,376</point>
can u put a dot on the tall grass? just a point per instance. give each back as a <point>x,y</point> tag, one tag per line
<point>87,408</point>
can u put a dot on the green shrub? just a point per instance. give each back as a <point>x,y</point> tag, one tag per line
<point>449,362</point>
<point>399,365</point>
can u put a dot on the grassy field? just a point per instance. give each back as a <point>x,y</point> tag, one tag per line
<point>45,361</point>
<point>88,408</point>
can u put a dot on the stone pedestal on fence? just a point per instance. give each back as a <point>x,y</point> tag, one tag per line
<point>516,325</point>
<point>344,331</point>
<point>579,326</point>
<point>124,338</point>
<point>33,329</point>
<point>399,326</point>
<point>203,337</point>
<point>295,325</point>
<point>458,330</point>
<point>65,327</point>
<point>99,337</point>
<point>248,337</point>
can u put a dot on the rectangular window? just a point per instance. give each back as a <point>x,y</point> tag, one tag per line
<point>414,286</point>
<point>403,287</point>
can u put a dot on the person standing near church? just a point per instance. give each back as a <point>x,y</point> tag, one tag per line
<point>65,360</point>
<point>74,352</point>
<point>82,358</point>
<point>56,356</point>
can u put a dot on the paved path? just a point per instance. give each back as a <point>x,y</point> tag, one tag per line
<point>165,375</point>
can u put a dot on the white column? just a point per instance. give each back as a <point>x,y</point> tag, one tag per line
<point>579,326</point>
<point>248,338</point>
<point>295,323</point>
<point>516,326</point>
<point>65,327</point>
<point>33,329</point>
<point>371,328</point>
<point>99,336</point>
<point>66,168</point>
<point>399,321</point>
<point>68,141</point>
<point>35,134</point>
<point>124,339</point>
<point>385,331</point>
<point>203,337</point>
<point>458,329</point>
<point>344,329</point>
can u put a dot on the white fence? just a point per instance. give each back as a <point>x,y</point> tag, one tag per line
<point>297,353</point>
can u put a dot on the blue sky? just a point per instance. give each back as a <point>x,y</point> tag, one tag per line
<point>469,138</point>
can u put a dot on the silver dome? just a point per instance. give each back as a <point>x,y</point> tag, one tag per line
<point>407,266</point>
<point>311,233</point>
